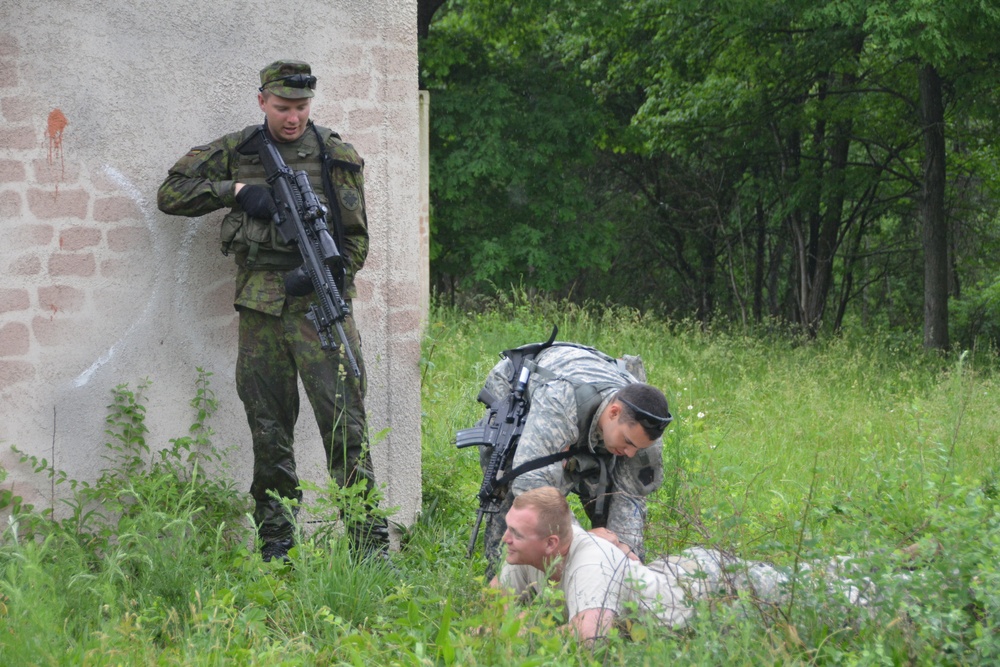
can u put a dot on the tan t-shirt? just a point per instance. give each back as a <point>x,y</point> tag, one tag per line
<point>598,575</point>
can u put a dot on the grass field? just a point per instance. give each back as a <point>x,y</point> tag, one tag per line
<point>782,449</point>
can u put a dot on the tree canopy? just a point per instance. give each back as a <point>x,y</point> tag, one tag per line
<point>815,162</point>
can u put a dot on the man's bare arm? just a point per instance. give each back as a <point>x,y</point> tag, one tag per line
<point>592,624</point>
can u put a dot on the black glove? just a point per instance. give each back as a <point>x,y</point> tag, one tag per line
<point>257,201</point>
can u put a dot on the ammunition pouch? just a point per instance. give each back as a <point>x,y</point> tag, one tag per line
<point>256,242</point>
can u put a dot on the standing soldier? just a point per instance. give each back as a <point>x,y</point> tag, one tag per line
<point>277,343</point>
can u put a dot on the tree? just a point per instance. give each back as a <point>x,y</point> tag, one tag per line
<point>512,193</point>
<point>751,159</point>
<point>756,101</point>
<point>955,39</point>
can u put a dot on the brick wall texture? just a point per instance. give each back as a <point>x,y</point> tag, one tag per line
<point>63,226</point>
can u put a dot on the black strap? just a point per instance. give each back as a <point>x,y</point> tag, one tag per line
<point>519,356</point>
<point>601,502</point>
<point>535,464</point>
<point>331,197</point>
<point>600,513</point>
<point>525,355</point>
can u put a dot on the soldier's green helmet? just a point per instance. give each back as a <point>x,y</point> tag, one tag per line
<point>291,79</point>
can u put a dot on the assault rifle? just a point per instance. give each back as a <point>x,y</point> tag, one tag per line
<point>501,431</point>
<point>301,220</point>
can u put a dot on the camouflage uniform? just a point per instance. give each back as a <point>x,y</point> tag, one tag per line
<point>552,426</point>
<point>276,341</point>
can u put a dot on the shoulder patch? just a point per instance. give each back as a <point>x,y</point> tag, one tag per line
<point>350,198</point>
<point>197,150</point>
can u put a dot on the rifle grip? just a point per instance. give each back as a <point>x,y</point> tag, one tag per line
<point>486,398</point>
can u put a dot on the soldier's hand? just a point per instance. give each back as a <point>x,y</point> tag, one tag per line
<point>613,538</point>
<point>257,201</point>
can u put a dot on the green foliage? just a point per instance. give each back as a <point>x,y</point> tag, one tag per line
<point>976,318</point>
<point>114,559</point>
<point>784,449</point>
<point>9,502</point>
<point>514,170</point>
<point>138,482</point>
<point>750,161</point>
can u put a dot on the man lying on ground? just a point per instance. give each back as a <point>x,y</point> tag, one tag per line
<point>545,546</point>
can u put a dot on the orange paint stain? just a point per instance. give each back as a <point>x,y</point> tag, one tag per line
<point>54,133</point>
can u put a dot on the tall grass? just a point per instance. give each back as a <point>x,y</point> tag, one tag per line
<point>782,449</point>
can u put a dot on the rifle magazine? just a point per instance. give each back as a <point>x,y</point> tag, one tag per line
<point>477,436</point>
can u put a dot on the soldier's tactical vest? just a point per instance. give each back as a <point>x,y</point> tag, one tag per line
<point>256,242</point>
<point>591,470</point>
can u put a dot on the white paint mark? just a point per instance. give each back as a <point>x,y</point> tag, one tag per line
<point>129,188</point>
<point>83,378</point>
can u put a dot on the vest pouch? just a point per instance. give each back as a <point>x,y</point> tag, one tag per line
<point>633,364</point>
<point>590,486</point>
<point>645,470</point>
<point>243,234</point>
<point>582,466</point>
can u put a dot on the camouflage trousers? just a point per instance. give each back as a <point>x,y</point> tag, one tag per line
<point>273,353</point>
<point>709,574</point>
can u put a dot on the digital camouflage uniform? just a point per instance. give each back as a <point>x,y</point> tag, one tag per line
<point>276,341</point>
<point>552,426</point>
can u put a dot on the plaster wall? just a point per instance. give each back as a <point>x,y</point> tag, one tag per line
<point>98,288</point>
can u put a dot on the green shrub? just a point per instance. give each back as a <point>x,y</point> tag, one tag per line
<point>975,318</point>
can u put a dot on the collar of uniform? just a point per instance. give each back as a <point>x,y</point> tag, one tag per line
<point>303,147</point>
<point>595,439</point>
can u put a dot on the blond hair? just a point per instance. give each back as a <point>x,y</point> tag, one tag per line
<point>554,515</point>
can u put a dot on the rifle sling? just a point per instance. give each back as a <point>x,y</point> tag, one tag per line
<point>600,507</point>
<point>540,462</point>
<point>331,198</point>
<point>588,398</point>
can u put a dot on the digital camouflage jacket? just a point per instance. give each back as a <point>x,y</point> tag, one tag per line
<point>552,426</point>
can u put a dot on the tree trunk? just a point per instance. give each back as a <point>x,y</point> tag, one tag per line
<point>707,269</point>
<point>935,228</point>
<point>829,234</point>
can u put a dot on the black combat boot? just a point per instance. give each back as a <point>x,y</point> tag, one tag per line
<point>276,549</point>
